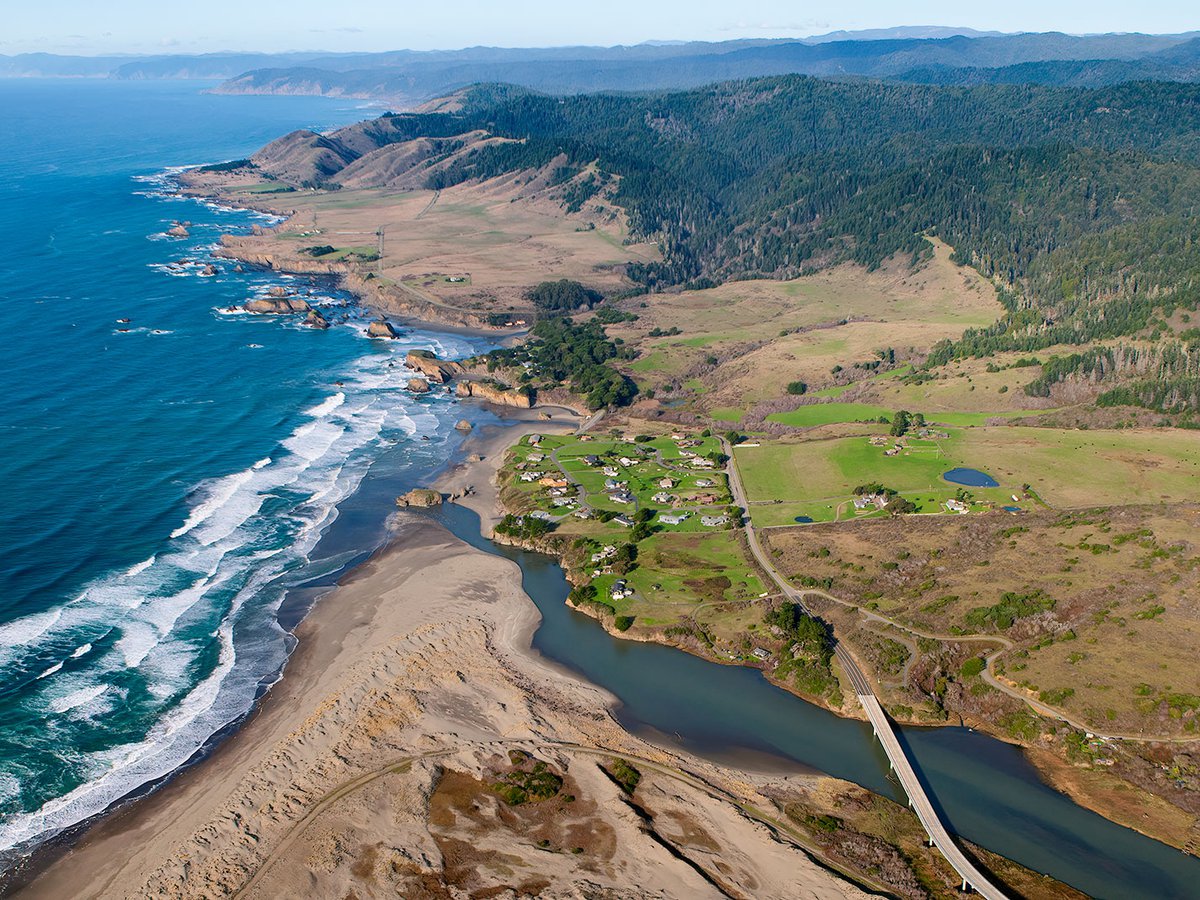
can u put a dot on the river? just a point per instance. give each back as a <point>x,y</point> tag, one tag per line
<point>986,789</point>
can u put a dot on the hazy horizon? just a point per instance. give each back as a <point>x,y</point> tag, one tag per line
<point>144,27</point>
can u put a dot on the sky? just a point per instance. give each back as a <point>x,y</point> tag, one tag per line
<point>93,27</point>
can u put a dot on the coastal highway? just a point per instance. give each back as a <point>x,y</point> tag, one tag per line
<point>918,799</point>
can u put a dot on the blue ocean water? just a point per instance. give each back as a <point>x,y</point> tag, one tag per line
<point>165,481</point>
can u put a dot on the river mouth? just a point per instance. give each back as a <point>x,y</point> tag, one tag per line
<point>986,790</point>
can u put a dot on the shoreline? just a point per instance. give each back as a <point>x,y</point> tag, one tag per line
<point>150,844</point>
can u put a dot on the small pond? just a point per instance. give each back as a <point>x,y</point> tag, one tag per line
<point>970,478</point>
<point>804,520</point>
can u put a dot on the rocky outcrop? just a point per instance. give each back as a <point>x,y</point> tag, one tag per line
<point>279,306</point>
<point>381,328</point>
<point>179,230</point>
<point>422,498</point>
<point>492,393</point>
<point>208,271</point>
<point>463,425</point>
<point>314,319</point>
<point>435,370</point>
<point>418,385</point>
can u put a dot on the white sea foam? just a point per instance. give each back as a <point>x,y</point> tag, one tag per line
<point>80,651</point>
<point>77,698</point>
<point>326,406</point>
<point>50,671</point>
<point>28,629</point>
<point>138,568</point>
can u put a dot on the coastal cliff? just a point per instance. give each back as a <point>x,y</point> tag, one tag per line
<point>493,393</point>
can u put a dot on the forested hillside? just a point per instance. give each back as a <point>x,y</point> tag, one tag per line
<point>1083,204</point>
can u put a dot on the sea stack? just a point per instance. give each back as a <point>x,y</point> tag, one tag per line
<point>314,319</point>
<point>418,385</point>
<point>178,230</point>
<point>463,425</point>
<point>381,328</point>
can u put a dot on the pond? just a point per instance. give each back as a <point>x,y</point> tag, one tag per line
<point>970,478</point>
<point>986,789</point>
<point>804,520</point>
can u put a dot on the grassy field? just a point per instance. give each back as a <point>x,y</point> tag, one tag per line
<point>499,239</point>
<point>764,334</point>
<point>832,413</point>
<point>1103,620</point>
<point>815,476</point>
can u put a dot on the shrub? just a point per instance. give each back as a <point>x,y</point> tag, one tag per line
<point>625,775</point>
<point>972,667</point>
<point>797,388</point>
<point>622,623</point>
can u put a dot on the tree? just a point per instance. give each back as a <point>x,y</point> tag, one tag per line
<point>797,388</point>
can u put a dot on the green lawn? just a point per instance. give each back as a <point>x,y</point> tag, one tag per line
<point>833,413</point>
<point>1067,468</point>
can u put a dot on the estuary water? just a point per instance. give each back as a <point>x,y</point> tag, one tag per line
<point>169,478</point>
<point>986,789</point>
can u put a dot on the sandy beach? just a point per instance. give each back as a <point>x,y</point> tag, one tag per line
<point>367,770</point>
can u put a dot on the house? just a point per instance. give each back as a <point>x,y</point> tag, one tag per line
<point>551,481</point>
<point>627,462</point>
<point>706,499</point>
<point>702,462</point>
<point>714,521</point>
<point>583,513</point>
<point>536,457</point>
<point>621,497</point>
<point>704,482</point>
<point>892,452</point>
<point>623,520</point>
<point>666,483</point>
<point>541,514</point>
<point>611,471</point>
<point>604,553</point>
<point>620,590</point>
<point>563,501</point>
<point>591,460</point>
<point>662,497</point>
<point>535,440</point>
<point>957,506</point>
<point>673,518</point>
<point>532,476</point>
<point>760,653</point>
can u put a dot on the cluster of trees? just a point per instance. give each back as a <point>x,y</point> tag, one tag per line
<point>523,527</point>
<point>810,648</point>
<point>1164,377</point>
<point>561,351</point>
<point>563,295</point>
<point>903,420</point>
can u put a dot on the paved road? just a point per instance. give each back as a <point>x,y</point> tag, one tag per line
<point>882,725</point>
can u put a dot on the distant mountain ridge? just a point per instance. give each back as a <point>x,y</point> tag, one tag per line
<point>935,54</point>
<point>576,70</point>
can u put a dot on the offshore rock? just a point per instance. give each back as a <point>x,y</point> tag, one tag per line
<point>463,425</point>
<point>422,498</point>
<point>418,385</point>
<point>278,306</point>
<point>435,370</point>
<point>314,319</point>
<point>381,328</point>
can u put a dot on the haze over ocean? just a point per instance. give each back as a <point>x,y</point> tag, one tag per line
<point>164,485</point>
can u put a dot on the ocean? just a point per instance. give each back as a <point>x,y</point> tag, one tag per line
<point>169,480</point>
